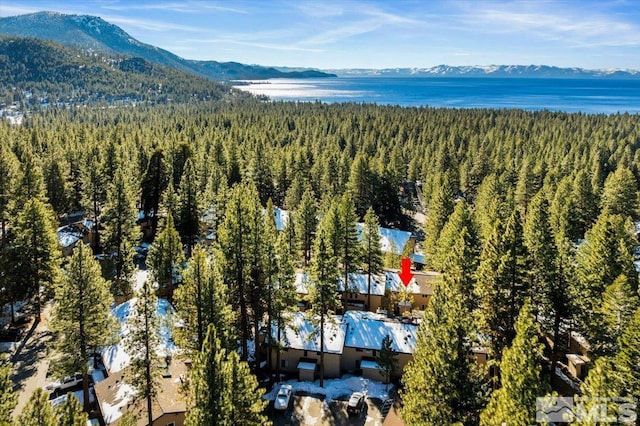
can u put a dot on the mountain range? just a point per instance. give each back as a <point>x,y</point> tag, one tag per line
<point>523,71</point>
<point>94,34</point>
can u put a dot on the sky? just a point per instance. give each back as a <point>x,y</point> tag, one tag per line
<point>594,34</point>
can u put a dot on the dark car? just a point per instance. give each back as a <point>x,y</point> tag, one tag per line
<point>355,404</point>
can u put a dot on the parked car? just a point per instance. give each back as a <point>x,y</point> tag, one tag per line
<point>355,404</point>
<point>66,383</point>
<point>283,398</point>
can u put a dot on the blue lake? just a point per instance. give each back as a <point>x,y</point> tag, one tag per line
<point>596,95</point>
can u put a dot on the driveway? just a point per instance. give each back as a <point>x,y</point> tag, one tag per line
<point>31,365</point>
<point>312,410</point>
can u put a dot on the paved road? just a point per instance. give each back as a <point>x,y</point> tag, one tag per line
<point>30,367</point>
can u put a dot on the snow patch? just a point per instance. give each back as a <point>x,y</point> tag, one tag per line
<point>115,357</point>
<point>335,388</point>
<point>123,396</point>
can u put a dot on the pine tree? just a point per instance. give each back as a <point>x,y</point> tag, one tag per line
<point>628,357</point>
<point>360,184</point>
<point>141,343</point>
<point>82,318</point>
<point>585,202</point>
<point>490,206</point>
<point>549,294</point>
<point>441,384</point>
<point>94,191</point>
<point>119,217</point>
<point>605,254</point>
<point>154,183</point>
<point>440,208</point>
<point>306,224</point>
<point>55,185</point>
<point>38,411</point>
<point>620,194</point>
<point>515,401</point>
<point>166,256</point>
<point>502,285</point>
<point>29,182</point>
<point>36,247</point>
<point>234,256</point>
<point>370,249</point>
<point>348,253</point>
<point>603,381</point>
<point>323,295</point>
<point>458,252</point>
<point>387,359</point>
<point>619,302</point>
<point>8,398</point>
<point>222,390</point>
<point>188,201</point>
<point>284,295</point>
<point>209,396</point>
<point>563,212</point>
<point>202,300</point>
<point>70,413</point>
<point>8,174</point>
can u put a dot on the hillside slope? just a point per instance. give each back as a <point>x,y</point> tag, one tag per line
<point>94,34</point>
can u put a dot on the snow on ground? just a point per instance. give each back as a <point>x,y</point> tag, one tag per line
<point>79,395</point>
<point>334,388</point>
<point>115,357</point>
<point>17,306</point>
<point>124,394</point>
<point>140,276</point>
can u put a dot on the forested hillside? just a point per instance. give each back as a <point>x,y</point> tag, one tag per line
<point>530,217</point>
<point>34,72</point>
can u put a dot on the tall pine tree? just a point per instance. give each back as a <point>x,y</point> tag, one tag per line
<point>515,401</point>
<point>36,247</point>
<point>82,317</point>
<point>441,384</point>
<point>323,295</point>
<point>142,342</point>
<point>370,249</point>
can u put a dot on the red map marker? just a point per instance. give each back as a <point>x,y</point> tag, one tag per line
<point>405,273</point>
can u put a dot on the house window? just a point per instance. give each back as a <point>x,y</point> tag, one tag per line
<point>358,350</point>
<point>357,364</point>
<point>305,353</point>
<point>284,363</point>
<point>285,349</point>
<point>318,353</point>
<point>374,353</point>
<point>170,424</point>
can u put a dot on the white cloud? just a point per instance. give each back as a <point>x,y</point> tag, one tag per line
<point>575,28</point>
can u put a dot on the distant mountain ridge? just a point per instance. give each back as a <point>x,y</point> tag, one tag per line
<point>95,34</point>
<point>522,71</point>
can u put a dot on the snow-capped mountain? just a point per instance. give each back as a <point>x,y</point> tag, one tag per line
<point>531,71</point>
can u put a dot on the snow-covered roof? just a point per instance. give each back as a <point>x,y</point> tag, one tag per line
<point>300,334</point>
<point>115,357</point>
<point>302,283</point>
<point>387,280</point>
<point>360,282</point>
<point>394,283</point>
<point>366,330</point>
<point>391,240</point>
<point>282,217</point>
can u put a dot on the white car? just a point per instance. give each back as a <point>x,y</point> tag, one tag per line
<point>283,397</point>
<point>66,383</point>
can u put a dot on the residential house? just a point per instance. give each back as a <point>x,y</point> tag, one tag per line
<point>363,340</point>
<point>301,352</point>
<point>69,235</point>
<point>357,292</point>
<point>116,397</point>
